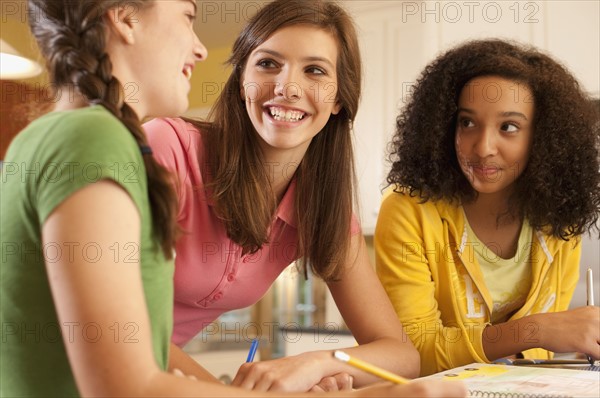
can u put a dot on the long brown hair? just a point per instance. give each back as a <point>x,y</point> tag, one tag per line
<point>72,38</point>
<point>325,178</point>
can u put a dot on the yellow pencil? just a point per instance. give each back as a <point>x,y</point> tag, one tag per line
<point>367,367</point>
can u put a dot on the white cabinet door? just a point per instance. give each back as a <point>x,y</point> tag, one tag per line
<point>371,123</point>
<point>393,54</point>
<point>572,34</point>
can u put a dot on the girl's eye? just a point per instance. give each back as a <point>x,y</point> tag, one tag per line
<point>191,17</point>
<point>510,127</point>
<point>465,123</point>
<point>315,70</point>
<point>266,63</point>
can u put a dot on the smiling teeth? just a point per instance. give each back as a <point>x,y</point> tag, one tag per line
<point>282,115</point>
<point>187,71</point>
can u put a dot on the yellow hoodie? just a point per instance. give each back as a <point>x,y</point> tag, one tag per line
<point>430,272</point>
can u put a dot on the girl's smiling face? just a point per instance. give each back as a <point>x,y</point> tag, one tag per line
<point>162,52</point>
<point>289,86</point>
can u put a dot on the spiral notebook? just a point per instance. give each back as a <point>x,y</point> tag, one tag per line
<point>491,380</point>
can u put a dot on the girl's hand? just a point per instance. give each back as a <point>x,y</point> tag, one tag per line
<point>338,382</point>
<point>575,330</point>
<point>299,373</point>
<point>179,373</point>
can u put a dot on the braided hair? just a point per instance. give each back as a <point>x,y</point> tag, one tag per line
<point>71,35</point>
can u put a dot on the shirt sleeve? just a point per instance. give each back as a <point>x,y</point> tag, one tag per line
<point>83,148</point>
<point>567,259</point>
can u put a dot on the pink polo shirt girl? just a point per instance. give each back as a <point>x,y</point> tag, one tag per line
<point>211,275</point>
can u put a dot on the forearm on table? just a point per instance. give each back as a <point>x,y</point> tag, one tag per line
<point>512,337</point>
<point>388,353</point>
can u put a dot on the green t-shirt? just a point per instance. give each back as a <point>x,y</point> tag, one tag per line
<point>51,159</point>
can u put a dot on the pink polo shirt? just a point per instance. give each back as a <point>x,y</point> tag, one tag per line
<point>211,275</point>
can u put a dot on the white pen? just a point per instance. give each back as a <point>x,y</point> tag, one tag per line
<point>590,287</point>
<point>589,279</point>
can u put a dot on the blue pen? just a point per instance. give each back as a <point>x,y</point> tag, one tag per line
<point>252,351</point>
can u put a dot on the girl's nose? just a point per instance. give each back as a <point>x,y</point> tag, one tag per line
<point>200,51</point>
<point>485,145</point>
<point>288,86</point>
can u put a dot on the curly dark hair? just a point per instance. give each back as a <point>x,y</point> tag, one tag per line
<point>559,191</point>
